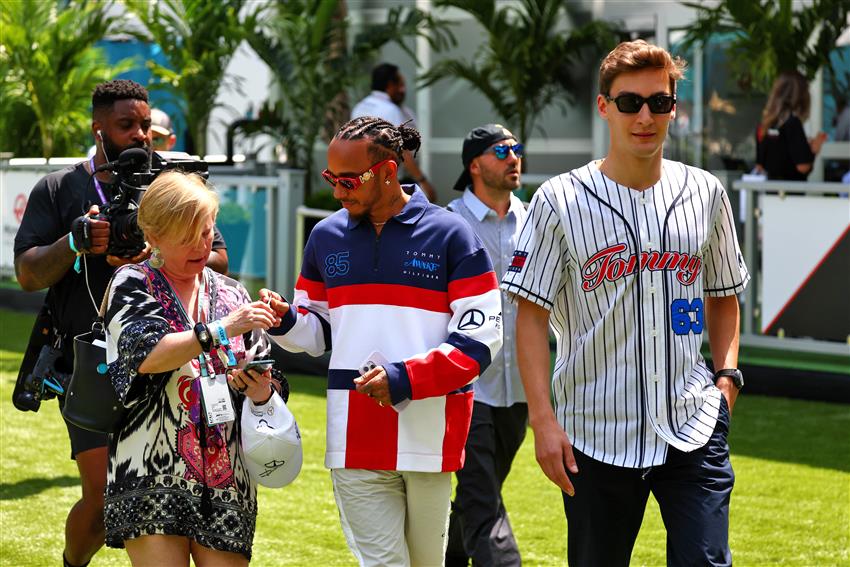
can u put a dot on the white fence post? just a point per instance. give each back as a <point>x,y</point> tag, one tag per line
<point>286,197</point>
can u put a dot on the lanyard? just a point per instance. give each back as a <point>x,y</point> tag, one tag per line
<point>97,183</point>
<point>202,297</point>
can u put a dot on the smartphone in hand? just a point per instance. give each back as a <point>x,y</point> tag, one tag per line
<point>260,366</point>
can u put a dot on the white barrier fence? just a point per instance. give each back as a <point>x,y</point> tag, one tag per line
<point>282,195</point>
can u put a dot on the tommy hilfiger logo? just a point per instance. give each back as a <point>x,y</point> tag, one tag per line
<point>608,265</point>
<point>518,261</point>
<point>421,263</point>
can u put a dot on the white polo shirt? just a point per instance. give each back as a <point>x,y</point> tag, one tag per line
<point>500,385</point>
<point>379,104</point>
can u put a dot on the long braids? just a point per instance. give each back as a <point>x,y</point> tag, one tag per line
<point>388,141</point>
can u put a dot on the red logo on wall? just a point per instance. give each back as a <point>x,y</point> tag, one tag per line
<point>20,206</point>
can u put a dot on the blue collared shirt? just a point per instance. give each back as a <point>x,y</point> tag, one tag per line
<point>500,385</point>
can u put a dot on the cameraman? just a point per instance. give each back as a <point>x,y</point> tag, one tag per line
<point>61,205</point>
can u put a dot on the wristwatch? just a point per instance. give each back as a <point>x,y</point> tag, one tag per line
<point>734,374</point>
<point>202,332</point>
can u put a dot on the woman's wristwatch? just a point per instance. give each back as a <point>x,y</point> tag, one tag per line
<point>733,373</point>
<point>202,333</point>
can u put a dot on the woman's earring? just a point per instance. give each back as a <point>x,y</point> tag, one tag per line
<point>156,261</point>
<point>387,181</point>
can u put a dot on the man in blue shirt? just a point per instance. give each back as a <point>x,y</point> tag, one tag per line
<point>479,527</point>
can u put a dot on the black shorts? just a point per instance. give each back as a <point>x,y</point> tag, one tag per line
<point>82,439</point>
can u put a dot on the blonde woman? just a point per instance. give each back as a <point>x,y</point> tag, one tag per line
<point>177,482</point>
<point>782,149</point>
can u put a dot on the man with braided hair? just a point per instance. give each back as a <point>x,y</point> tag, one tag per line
<point>405,294</point>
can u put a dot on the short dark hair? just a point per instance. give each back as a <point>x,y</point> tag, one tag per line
<point>383,75</point>
<point>387,141</point>
<point>105,94</point>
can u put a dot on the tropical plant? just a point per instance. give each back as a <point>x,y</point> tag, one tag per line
<point>49,66</point>
<point>304,43</point>
<point>531,58</point>
<point>198,38</point>
<point>771,36</point>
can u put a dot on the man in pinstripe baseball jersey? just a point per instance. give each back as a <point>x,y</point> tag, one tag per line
<point>631,259</point>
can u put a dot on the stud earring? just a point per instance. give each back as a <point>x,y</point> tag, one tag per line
<point>386,181</point>
<point>156,260</point>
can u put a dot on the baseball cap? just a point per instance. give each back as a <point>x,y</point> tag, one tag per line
<point>478,140</point>
<point>271,443</point>
<point>160,122</point>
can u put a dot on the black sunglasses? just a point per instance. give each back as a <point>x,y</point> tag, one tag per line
<point>502,150</point>
<point>631,103</point>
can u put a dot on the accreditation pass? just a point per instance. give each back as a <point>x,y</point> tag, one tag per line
<point>217,401</point>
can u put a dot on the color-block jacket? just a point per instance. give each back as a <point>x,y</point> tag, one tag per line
<point>425,296</point>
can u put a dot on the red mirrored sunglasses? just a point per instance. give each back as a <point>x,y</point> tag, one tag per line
<point>352,183</point>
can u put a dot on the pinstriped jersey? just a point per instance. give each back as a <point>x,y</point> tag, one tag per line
<point>624,274</point>
<point>424,295</point>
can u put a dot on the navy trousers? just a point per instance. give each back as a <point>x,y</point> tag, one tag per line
<point>692,490</point>
<point>478,525</point>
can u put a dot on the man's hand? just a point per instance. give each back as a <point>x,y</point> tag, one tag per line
<point>275,301</point>
<point>729,391</point>
<point>91,235</point>
<point>375,385</point>
<point>140,257</point>
<point>554,454</point>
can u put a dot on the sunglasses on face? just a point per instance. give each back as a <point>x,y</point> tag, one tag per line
<point>352,183</point>
<point>631,103</point>
<point>502,150</point>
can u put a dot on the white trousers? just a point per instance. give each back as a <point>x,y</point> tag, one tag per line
<point>394,518</point>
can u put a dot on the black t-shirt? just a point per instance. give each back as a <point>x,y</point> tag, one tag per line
<point>780,150</point>
<point>55,201</point>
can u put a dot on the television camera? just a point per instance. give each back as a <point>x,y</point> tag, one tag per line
<point>134,170</point>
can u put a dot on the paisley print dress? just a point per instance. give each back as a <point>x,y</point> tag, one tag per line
<point>169,473</point>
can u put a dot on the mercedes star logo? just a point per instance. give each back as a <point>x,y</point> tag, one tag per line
<point>472,319</point>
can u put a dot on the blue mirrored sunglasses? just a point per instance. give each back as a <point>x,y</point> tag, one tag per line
<point>502,150</point>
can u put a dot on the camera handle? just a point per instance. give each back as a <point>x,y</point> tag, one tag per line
<point>81,232</point>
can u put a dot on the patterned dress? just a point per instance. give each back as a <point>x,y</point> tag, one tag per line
<point>168,472</point>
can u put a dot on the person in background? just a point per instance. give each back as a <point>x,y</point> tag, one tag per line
<point>782,149</point>
<point>387,101</point>
<point>404,294</point>
<point>162,133</point>
<point>479,526</point>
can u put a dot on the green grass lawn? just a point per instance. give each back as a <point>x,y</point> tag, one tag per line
<point>791,504</point>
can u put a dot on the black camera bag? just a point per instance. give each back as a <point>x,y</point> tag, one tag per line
<point>91,401</point>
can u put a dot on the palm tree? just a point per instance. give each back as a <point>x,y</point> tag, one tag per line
<point>529,61</point>
<point>198,37</point>
<point>304,44</point>
<point>49,66</point>
<point>771,36</point>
